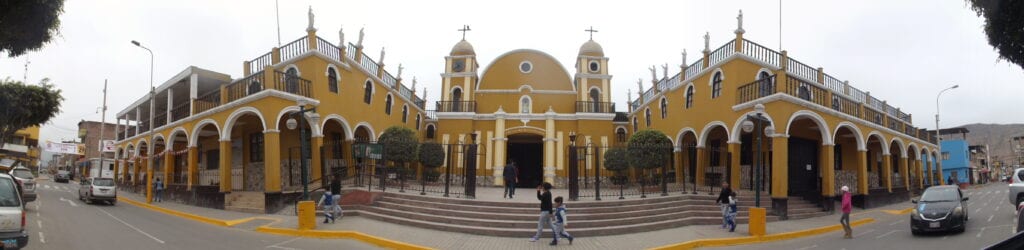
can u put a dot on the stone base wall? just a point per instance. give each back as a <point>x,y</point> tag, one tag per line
<point>254,180</point>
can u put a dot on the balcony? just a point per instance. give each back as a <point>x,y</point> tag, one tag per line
<point>595,107</point>
<point>456,106</point>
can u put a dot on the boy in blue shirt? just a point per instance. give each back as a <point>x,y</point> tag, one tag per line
<point>560,222</point>
<point>731,217</point>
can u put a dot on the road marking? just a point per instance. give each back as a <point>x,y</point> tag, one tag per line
<point>40,223</point>
<point>980,232</point>
<point>897,222</point>
<point>978,211</point>
<point>863,233</point>
<point>278,245</point>
<point>46,186</point>
<point>945,237</point>
<point>69,201</point>
<point>990,217</point>
<point>997,208</point>
<point>41,238</point>
<point>130,225</point>
<point>886,234</point>
<point>807,247</point>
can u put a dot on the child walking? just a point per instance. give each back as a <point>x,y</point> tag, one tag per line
<point>731,217</point>
<point>560,222</point>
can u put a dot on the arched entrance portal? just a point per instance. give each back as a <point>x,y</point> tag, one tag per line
<point>527,151</point>
<point>804,166</point>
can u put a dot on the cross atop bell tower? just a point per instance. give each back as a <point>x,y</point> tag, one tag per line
<point>464,29</point>
<point>591,30</point>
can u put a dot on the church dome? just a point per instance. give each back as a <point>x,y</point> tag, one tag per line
<point>463,48</point>
<point>591,48</point>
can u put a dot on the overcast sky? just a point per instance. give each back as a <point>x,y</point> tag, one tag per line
<point>901,51</point>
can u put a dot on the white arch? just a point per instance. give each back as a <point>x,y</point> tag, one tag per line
<point>711,80</point>
<point>735,136</point>
<point>160,137</point>
<point>881,141</point>
<point>234,118</point>
<point>758,76</point>
<point>129,150</point>
<point>913,148</point>
<point>327,72</point>
<point>292,66</point>
<point>170,143</point>
<point>341,120</point>
<point>139,145</point>
<point>194,139</point>
<point>682,132</point>
<point>902,146</point>
<point>281,115</point>
<point>370,129</point>
<point>861,143</point>
<point>826,137</point>
<point>707,130</point>
<point>529,104</point>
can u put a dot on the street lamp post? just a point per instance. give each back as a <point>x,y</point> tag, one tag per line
<point>152,106</point>
<point>304,154</point>
<point>748,127</point>
<point>938,130</point>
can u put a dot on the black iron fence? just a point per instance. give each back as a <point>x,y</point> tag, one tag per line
<point>607,172</point>
<point>456,106</point>
<point>456,176</point>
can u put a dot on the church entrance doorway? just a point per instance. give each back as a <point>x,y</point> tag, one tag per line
<point>527,150</point>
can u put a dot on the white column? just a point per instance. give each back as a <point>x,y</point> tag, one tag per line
<point>499,146</point>
<point>549,146</point>
<point>193,91</point>
<point>138,117</point>
<point>170,105</point>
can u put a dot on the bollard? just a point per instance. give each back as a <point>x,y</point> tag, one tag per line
<point>757,221</point>
<point>307,215</point>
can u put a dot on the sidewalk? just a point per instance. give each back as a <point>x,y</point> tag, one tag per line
<point>448,240</point>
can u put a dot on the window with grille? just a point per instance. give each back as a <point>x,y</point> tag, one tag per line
<point>716,85</point>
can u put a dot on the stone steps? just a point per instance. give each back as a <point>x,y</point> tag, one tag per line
<point>247,202</point>
<point>530,214</point>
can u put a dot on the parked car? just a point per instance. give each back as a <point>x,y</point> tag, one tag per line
<point>27,180</point>
<point>12,215</point>
<point>941,208</point>
<point>97,189</point>
<point>1019,220</point>
<point>62,176</point>
<point>1016,193</point>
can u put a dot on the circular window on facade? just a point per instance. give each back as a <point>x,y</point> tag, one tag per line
<point>594,66</point>
<point>525,67</point>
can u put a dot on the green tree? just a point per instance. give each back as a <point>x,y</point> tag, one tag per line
<point>649,149</point>
<point>615,159</point>
<point>399,145</point>
<point>431,154</point>
<point>26,105</point>
<point>1004,26</point>
<point>28,24</point>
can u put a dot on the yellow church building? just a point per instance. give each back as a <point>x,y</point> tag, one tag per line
<point>228,139</point>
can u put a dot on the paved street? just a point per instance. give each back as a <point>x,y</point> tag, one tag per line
<point>58,220</point>
<point>991,217</point>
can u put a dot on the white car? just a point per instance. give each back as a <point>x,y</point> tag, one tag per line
<point>12,215</point>
<point>27,180</point>
<point>98,189</point>
<point>1016,186</point>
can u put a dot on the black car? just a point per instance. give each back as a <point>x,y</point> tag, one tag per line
<point>61,177</point>
<point>941,208</point>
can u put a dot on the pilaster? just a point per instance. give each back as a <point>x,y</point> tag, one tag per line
<point>272,161</point>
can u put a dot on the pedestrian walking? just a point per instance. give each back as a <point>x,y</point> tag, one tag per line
<point>847,206</point>
<point>328,206</point>
<point>560,222</point>
<point>731,217</point>
<point>544,195</point>
<point>723,203</point>
<point>335,207</point>
<point>511,177</point>
<point>158,185</point>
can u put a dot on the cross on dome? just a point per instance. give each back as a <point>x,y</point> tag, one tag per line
<point>591,30</point>
<point>464,29</point>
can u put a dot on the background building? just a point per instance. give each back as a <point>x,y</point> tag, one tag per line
<point>22,149</point>
<point>956,155</point>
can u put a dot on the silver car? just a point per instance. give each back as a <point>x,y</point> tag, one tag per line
<point>97,189</point>
<point>27,180</point>
<point>1016,193</point>
<point>12,215</point>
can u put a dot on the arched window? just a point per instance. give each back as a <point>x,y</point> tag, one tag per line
<point>766,85</point>
<point>647,117</point>
<point>595,100</point>
<point>456,100</point>
<point>418,121</point>
<point>689,96</point>
<point>635,124</point>
<point>804,92</point>
<point>716,85</point>
<point>620,135</point>
<point>291,77</point>
<point>405,113</point>
<point>664,108</point>
<point>368,92</point>
<point>430,131</point>
<point>387,104</point>
<point>255,86</point>
<point>525,105</point>
<point>332,80</point>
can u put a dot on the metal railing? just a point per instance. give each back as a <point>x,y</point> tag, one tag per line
<point>873,116</point>
<point>807,91</point>
<point>756,89</point>
<point>294,49</point>
<point>160,120</point>
<point>694,68</point>
<point>845,105</point>
<point>430,114</point>
<point>800,69</point>
<point>292,84</point>
<point>834,84</point>
<point>456,106</point>
<point>721,53</point>
<point>328,49</point>
<point>262,61</point>
<point>207,101</point>
<point>762,53</point>
<point>244,87</point>
<point>180,112</point>
<point>368,64</point>
<point>595,107</point>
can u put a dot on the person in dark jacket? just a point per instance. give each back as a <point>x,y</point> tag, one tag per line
<point>546,210</point>
<point>723,202</point>
<point>511,176</point>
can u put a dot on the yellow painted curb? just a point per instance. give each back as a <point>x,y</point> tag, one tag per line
<point>718,242</point>
<point>325,234</point>
<point>382,242</point>
<point>898,212</point>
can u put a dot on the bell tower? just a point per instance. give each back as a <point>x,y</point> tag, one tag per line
<point>460,76</point>
<point>592,79</point>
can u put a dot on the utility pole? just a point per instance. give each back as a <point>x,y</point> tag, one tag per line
<point>103,126</point>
